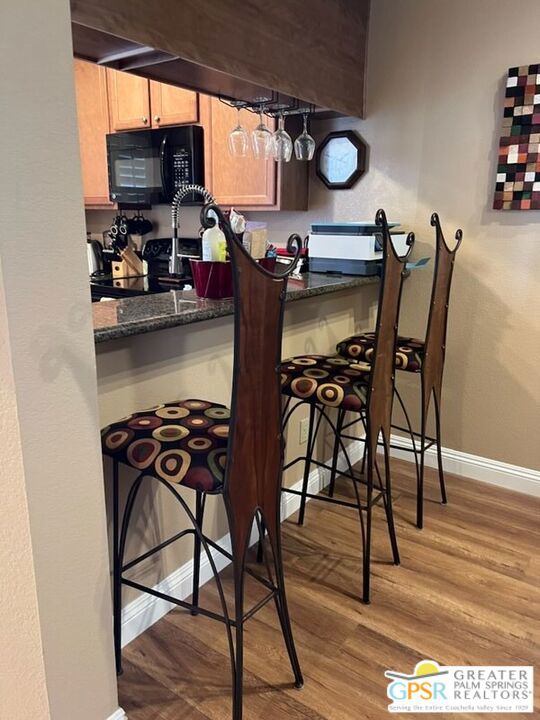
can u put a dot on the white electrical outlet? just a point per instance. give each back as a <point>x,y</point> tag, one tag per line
<point>304,430</point>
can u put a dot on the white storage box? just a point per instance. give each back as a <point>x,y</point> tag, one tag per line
<point>349,248</point>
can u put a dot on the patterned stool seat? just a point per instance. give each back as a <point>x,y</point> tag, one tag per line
<point>183,442</point>
<point>326,379</point>
<point>409,353</point>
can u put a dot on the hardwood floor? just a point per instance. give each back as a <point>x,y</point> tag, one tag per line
<point>466,593</point>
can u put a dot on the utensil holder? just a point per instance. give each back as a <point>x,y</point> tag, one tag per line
<point>212,279</point>
<point>129,266</point>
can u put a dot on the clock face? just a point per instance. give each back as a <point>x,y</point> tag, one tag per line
<point>341,159</point>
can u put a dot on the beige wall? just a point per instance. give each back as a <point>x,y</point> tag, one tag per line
<point>21,662</point>
<point>436,77</point>
<point>55,609</point>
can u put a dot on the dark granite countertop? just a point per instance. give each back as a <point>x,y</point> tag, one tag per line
<point>137,315</point>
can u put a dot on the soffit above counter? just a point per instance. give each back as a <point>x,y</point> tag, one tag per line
<point>237,50</point>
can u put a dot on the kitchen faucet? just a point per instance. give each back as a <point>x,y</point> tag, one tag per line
<point>175,267</point>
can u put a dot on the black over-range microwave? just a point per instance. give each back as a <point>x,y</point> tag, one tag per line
<point>146,167</point>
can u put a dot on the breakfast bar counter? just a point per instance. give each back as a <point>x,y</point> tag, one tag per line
<point>137,315</point>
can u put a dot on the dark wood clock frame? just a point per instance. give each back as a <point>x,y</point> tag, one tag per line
<point>361,162</point>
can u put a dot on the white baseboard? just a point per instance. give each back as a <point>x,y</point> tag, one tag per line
<point>118,715</point>
<point>144,611</point>
<point>475,467</point>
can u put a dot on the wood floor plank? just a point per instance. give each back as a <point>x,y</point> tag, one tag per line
<point>141,692</point>
<point>466,592</point>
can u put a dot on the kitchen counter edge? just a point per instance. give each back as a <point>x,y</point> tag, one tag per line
<point>198,309</point>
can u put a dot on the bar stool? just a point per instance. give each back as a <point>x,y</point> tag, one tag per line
<point>200,445</point>
<point>325,382</point>
<point>424,357</point>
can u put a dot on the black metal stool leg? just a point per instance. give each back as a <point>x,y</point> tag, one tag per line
<point>238,675</point>
<point>281,598</point>
<point>117,574</point>
<point>410,429</point>
<point>420,479</point>
<point>366,569</point>
<point>364,452</point>
<point>339,426</point>
<point>260,544</point>
<point>119,559</point>
<point>388,503</point>
<point>310,447</point>
<point>205,545</point>
<point>436,401</point>
<point>285,622</point>
<point>199,519</point>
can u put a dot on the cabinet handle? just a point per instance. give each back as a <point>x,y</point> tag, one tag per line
<point>145,120</point>
<point>156,118</point>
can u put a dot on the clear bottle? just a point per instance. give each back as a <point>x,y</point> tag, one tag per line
<point>214,244</point>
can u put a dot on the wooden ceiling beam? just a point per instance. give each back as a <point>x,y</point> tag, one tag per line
<point>314,50</point>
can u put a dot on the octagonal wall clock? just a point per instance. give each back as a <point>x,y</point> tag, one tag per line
<point>341,159</point>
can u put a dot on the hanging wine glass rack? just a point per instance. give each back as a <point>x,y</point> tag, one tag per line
<point>273,106</point>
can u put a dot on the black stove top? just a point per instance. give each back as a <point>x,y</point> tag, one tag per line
<point>156,253</point>
<point>105,286</point>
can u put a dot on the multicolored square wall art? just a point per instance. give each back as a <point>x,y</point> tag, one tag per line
<point>518,168</point>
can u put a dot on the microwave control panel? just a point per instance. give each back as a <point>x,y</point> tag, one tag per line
<point>181,167</point>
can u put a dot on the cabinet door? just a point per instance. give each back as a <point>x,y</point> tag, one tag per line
<point>172,105</point>
<point>93,117</point>
<point>241,182</point>
<point>129,101</point>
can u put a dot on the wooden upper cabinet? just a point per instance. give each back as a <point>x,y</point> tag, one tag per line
<point>109,101</point>
<point>129,101</point>
<point>172,105</point>
<point>239,181</point>
<point>137,103</point>
<point>93,117</point>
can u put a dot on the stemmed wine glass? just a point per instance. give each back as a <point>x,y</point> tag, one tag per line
<point>262,140</point>
<point>239,140</point>
<point>304,145</point>
<point>283,145</point>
